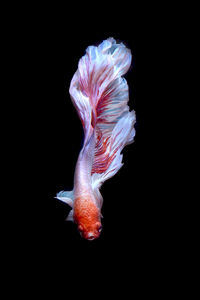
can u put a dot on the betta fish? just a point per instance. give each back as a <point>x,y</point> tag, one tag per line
<point>100,95</point>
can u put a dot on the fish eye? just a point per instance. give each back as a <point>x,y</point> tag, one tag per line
<point>100,228</point>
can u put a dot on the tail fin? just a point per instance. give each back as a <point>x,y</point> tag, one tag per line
<point>100,96</point>
<point>97,90</point>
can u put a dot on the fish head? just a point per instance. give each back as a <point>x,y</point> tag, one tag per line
<point>87,216</point>
<point>90,231</point>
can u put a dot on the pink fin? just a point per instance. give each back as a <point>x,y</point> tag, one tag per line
<point>100,96</point>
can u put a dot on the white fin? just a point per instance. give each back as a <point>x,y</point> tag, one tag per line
<point>70,216</point>
<point>83,107</point>
<point>66,197</point>
<point>95,187</point>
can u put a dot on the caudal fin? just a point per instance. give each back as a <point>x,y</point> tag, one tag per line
<point>97,89</point>
<point>100,95</point>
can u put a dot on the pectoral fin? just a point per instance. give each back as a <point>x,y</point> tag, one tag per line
<point>70,216</point>
<point>66,197</point>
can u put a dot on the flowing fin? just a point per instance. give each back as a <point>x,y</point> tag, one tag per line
<point>83,107</point>
<point>100,96</point>
<point>97,90</point>
<point>111,109</point>
<point>122,135</point>
<point>66,197</point>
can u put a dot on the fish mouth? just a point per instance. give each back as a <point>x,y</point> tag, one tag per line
<point>91,238</point>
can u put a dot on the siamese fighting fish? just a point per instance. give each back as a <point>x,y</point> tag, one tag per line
<point>100,95</point>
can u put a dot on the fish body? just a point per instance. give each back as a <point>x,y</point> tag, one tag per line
<point>100,96</point>
<point>86,204</point>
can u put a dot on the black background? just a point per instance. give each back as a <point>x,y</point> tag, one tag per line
<point>45,45</point>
